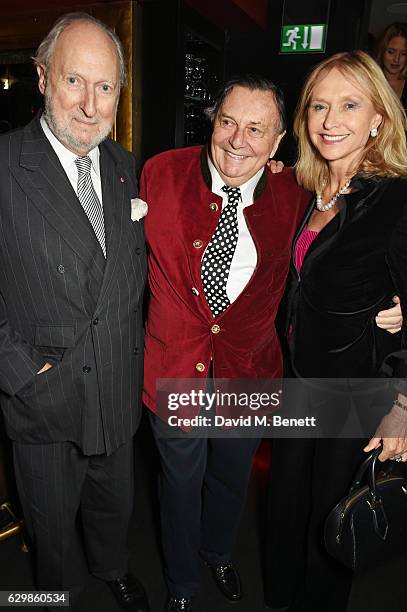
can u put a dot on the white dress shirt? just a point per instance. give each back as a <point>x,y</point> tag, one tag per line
<point>67,159</point>
<point>245,256</point>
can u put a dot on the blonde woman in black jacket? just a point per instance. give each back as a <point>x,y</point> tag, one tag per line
<point>350,258</point>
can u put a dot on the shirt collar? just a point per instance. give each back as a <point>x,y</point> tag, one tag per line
<point>246,189</point>
<point>65,156</point>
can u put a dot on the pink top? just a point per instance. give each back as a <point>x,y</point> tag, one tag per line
<point>303,243</point>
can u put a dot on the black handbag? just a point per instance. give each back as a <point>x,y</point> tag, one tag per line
<point>369,525</point>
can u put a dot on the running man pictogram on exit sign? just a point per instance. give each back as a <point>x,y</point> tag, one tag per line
<point>303,38</point>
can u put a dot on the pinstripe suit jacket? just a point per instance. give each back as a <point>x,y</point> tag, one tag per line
<point>62,302</point>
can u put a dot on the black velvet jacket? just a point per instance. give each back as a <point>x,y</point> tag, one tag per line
<point>351,271</point>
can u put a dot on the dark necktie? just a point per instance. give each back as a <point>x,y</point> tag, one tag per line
<point>90,202</point>
<point>216,261</point>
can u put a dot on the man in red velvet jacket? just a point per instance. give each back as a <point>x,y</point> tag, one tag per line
<point>219,230</point>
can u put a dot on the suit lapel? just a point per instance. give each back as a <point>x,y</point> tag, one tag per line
<point>43,179</point>
<point>351,206</point>
<point>324,238</point>
<point>116,213</point>
<point>357,202</point>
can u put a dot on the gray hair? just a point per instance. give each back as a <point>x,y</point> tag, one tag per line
<point>46,48</point>
<point>252,82</point>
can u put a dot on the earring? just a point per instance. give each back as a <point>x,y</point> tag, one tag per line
<point>373,132</point>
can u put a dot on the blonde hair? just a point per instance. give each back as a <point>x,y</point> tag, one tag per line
<point>385,155</point>
<point>392,31</point>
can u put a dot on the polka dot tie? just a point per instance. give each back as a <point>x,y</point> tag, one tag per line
<point>216,261</point>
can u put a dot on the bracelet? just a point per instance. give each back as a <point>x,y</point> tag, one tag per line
<point>400,405</point>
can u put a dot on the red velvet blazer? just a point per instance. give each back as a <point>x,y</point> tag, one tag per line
<point>181,338</point>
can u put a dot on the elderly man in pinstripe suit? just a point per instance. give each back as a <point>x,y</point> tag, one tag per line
<point>72,274</point>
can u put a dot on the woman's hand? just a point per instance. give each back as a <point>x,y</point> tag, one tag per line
<point>391,319</point>
<point>275,166</point>
<point>392,432</point>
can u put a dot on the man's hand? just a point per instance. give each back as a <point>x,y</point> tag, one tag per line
<point>391,319</point>
<point>47,366</point>
<point>275,166</point>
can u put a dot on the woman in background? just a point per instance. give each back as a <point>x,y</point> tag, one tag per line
<point>350,258</point>
<point>391,55</point>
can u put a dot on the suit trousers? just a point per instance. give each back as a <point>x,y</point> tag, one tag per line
<point>202,490</point>
<point>58,485</point>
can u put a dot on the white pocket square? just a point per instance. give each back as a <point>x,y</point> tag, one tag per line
<point>139,209</point>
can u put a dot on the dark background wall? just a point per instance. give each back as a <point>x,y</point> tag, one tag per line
<point>248,47</point>
<point>259,51</point>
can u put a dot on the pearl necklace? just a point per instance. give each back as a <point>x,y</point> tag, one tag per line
<point>325,207</point>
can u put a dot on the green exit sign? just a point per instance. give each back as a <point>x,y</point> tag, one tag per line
<point>308,38</point>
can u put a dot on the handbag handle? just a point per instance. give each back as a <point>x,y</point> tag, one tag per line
<point>369,462</point>
<point>380,523</point>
